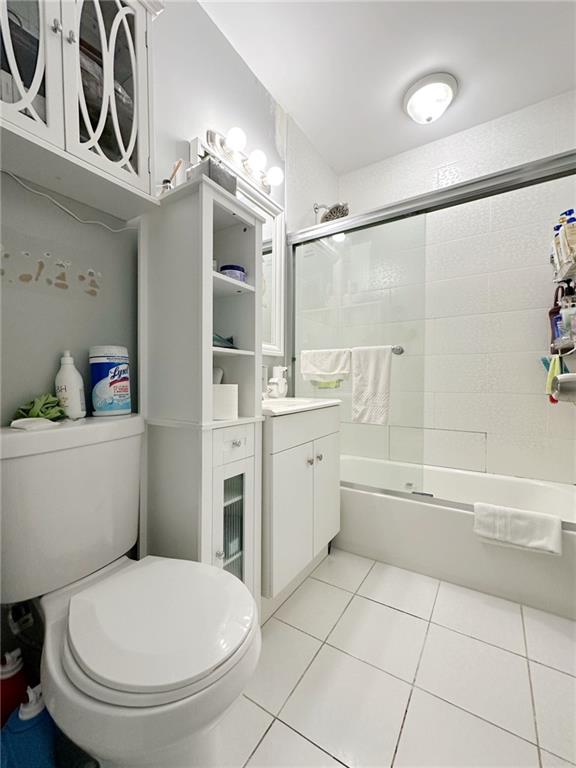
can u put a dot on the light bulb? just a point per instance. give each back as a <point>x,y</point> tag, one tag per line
<point>429,98</point>
<point>275,176</point>
<point>339,237</point>
<point>235,139</point>
<point>257,160</point>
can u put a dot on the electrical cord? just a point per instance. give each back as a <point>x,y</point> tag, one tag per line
<point>63,208</point>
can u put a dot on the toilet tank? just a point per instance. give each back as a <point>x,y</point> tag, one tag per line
<point>70,499</point>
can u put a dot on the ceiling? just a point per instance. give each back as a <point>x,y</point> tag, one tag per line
<point>340,69</point>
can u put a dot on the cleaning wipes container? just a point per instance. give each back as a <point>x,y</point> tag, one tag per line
<point>110,377</point>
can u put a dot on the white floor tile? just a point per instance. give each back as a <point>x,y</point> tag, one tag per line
<point>286,652</point>
<point>283,748</point>
<point>351,710</point>
<point>315,607</point>
<point>551,761</point>
<point>483,616</point>
<point>437,734</point>
<point>389,639</point>
<point>555,704</point>
<point>405,590</point>
<point>483,680</point>
<point>343,569</point>
<point>551,639</point>
<point>239,732</point>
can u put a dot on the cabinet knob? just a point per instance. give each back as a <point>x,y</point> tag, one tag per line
<point>319,456</point>
<point>236,443</point>
<point>310,462</point>
<point>220,555</point>
<point>72,37</point>
<point>56,26</point>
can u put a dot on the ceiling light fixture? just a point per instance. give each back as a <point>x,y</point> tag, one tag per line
<point>427,99</point>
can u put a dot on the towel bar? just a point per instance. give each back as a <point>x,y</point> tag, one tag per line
<point>397,350</point>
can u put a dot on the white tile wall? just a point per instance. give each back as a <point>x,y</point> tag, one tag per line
<point>466,292</point>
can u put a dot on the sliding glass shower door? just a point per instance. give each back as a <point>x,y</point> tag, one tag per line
<point>366,288</point>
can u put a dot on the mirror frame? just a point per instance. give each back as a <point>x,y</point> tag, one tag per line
<point>264,205</point>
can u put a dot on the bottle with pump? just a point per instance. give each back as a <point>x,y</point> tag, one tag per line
<point>70,388</point>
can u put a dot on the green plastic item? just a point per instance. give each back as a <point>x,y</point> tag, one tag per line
<point>42,407</point>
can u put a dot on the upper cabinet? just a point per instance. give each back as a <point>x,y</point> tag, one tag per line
<point>74,75</point>
<point>106,86</point>
<point>31,92</point>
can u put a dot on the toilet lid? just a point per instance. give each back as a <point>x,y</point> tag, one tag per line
<point>159,625</point>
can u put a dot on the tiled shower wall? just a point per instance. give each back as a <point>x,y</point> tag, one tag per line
<point>466,291</point>
<point>487,294</point>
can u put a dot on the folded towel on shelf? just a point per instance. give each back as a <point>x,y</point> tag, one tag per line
<point>518,528</point>
<point>371,368</point>
<point>325,365</point>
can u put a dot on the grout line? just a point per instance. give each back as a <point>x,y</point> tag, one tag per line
<point>314,744</point>
<point>421,654</point>
<point>532,701</point>
<point>260,740</point>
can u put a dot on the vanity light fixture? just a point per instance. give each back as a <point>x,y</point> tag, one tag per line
<point>428,98</point>
<point>230,150</point>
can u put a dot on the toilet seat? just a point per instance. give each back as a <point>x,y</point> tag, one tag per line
<point>157,631</point>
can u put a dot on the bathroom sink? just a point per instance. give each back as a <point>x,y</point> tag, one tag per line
<point>279,406</point>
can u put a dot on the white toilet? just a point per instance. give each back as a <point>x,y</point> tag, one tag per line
<point>141,658</point>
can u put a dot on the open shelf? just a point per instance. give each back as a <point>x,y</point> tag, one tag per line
<point>226,286</point>
<point>224,351</point>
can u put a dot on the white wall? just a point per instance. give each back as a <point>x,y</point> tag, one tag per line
<point>542,129</point>
<point>309,179</point>
<point>42,316</point>
<point>200,82</point>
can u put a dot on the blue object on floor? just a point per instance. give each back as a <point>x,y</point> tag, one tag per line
<point>28,743</point>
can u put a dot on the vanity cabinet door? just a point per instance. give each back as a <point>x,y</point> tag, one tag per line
<point>106,86</point>
<point>233,520</point>
<point>31,68</point>
<point>293,517</point>
<point>326,490</point>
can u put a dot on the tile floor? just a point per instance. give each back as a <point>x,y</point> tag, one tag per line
<point>368,665</point>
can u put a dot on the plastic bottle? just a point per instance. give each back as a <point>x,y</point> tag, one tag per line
<point>28,737</point>
<point>12,683</point>
<point>70,388</point>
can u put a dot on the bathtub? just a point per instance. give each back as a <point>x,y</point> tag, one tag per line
<point>433,535</point>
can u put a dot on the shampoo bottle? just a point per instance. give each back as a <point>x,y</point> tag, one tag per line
<point>70,388</point>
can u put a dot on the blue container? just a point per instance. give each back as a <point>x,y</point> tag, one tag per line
<point>28,743</point>
<point>110,378</point>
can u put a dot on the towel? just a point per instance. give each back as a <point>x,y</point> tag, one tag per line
<point>371,367</point>
<point>518,528</point>
<point>326,365</point>
<point>554,369</point>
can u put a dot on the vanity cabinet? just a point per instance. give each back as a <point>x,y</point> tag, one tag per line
<point>74,77</point>
<point>301,503</point>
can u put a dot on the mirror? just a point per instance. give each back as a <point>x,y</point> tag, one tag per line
<point>273,254</point>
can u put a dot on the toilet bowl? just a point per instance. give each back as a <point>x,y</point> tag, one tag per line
<point>142,659</point>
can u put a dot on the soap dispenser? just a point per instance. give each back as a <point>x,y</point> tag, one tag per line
<point>278,382</point>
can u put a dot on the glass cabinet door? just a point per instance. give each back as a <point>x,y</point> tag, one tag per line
<point>233,519</point>
<point>31,67</point>
<point>105,88</point>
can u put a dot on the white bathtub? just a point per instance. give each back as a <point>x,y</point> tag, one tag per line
<point>463,487</point>
<point>435,536</point>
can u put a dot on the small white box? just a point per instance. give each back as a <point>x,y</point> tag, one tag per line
<point>225,402</point>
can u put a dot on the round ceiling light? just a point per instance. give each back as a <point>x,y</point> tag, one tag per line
<point>430,97</point>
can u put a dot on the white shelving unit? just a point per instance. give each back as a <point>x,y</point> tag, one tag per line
<point>203,495</point>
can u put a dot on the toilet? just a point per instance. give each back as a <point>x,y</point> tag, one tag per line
<point>142,658</point>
